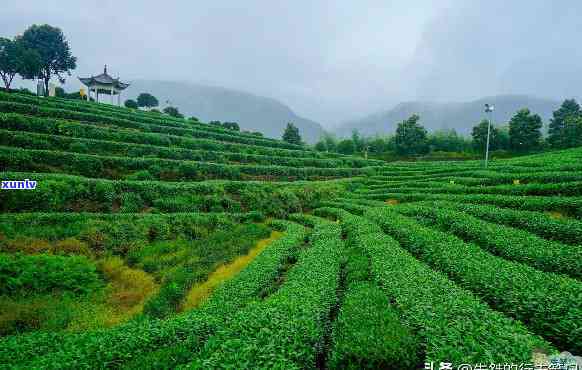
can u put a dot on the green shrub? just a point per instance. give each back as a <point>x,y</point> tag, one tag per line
<point>450,320</point>
<point>25,274</point>
<point>473,268</point>
<point>512,244</point>
<point>131,203</point>
<point>78,147</point>
<point>143,175</point>
<point>368,333</point>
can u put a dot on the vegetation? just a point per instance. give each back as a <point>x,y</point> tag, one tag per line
<point>147,100</point>
<point>52,47</point>
<point>411,137</point>
<point>291,134</point>
<point>521,135</point>
<point>16,58</point>
<point>130,103</point>
<point>158,241</point>
<point>172,111</point>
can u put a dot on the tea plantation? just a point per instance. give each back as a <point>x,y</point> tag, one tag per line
<point>158,242</point>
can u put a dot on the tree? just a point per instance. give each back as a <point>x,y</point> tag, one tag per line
<point>8,61</point>
<point>330,142</point>
<point>525,131</point>
<point>16,59</point>
<point>291,134</point>
<point>231,126</point>
<point>357,139</point>
<point>479,135</point>
<point>173,111</point>
<point>53,50</point>
<point>195,119</point>
<point>320,146</point>
<point>147,100</point>
<point>411,137</point>
<point>130,103</point>
<point>572,132</point>
<point>448,141</point>
<point>557,137</point>
<point>378,145</point>
<point>346,146</point>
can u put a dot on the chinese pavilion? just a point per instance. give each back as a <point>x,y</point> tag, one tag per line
<point>104,84</point>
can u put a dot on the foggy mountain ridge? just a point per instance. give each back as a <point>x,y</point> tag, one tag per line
<point>461,116</point>
<point>212,103</point>
<point>330,61</point>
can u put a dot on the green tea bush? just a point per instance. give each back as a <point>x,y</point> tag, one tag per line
<point>284,331</point>
<point>564,230</point>
<point>510,243</point>
<point>449,319</point>
<point>368,332</point>
<point>21,123</point>
<point>473,268</point>
<point>26,274</point>
<point>569,205</point>
<point>193,131</point>
<point>131,203</point>
<point>17,159</point>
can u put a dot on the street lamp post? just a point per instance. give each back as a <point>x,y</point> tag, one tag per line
<point>488,109</point>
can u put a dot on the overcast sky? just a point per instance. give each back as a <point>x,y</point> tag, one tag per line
<point>329,60</point>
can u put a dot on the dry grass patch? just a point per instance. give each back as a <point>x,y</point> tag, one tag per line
<point>200,292</point>
<point>392,202</point>
<point>557,215</point>
<point>127,291</point>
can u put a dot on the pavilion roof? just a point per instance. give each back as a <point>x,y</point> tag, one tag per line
<point>104,79</point>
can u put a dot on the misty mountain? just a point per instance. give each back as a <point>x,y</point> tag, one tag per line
<point>209,103</point>
<point>461,116</point>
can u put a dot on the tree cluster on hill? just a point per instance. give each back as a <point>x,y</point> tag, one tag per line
<point>173,111</point>
<point>291,134</point>
<point>565,129</point>
<point>41,52</point>
<point>147,100</point>
<point>228,125</point>
<point>521,135</point>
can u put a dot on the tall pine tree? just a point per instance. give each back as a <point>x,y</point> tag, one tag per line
<point>525,131</point>
<point>557,133</point>
<point>572,132</point>
<point>291,134</point>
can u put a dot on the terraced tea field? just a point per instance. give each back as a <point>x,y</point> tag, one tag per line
<point>155,242</point>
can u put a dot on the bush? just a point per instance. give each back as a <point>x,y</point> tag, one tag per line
<point>22,274</point>
<point>131,203</point>
<point>473,268</point>
<point>452,319</point>
<point>72,246</point>
<point>143,175</point>
<point>78,148</point>
<point>368,333</point>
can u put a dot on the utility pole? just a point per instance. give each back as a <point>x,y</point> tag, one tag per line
<point>488,109</point>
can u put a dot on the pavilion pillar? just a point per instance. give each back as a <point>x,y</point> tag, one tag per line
<point>119,98</point>
<point>111,92</point>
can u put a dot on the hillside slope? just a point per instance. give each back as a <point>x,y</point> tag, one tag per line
<point>461,116</point>
<point>254,113</point>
